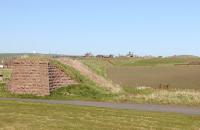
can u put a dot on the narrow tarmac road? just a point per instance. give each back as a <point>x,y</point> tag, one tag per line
<point>140,107</point>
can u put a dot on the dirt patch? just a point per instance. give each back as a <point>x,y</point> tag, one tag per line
<point>157,76</point>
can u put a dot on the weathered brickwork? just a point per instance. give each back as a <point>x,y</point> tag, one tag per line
<point>37,77</point>
<point>57,78</point>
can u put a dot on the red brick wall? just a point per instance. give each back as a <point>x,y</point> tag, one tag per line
<point>37,77</point>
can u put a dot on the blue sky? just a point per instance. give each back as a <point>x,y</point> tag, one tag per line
<point>156,27</point>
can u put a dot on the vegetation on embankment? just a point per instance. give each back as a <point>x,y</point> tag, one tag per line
<point>87,72</point>
<point>34,116</point>
<point>98,65</point>
<point>76,75</point>
<point>78,92</point>
<point>86,87</point>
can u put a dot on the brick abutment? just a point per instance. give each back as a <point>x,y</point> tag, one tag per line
<point>37,77</point>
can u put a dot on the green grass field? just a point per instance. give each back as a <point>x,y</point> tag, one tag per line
<point>35,116</point>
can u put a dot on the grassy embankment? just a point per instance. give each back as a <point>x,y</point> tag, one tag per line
<point>88,90</point>
<point>34,116</point>
<point>85,90</point>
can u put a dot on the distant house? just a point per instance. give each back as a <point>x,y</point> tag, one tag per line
<point>111,56</point>
<point>88,55</point>
<point>130,54</point>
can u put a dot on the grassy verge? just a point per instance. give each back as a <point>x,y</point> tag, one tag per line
<point>161,96</point>
<point>131,95</point>
<point>81,92</point>
<point>34,116</point>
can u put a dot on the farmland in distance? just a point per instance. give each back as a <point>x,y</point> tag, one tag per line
<point>180,76</point>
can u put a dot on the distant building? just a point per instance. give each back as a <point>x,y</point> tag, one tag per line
<point>105,56</point>
<point>88,55</point>
<point>111,56</point>
<point>100,56</point>
<point>130,54</point>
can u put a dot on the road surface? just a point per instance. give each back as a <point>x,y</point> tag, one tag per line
<point>140,107</point>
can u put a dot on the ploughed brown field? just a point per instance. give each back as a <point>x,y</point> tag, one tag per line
<point>174,76</point>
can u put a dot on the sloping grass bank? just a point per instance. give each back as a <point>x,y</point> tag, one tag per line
<point>86,88</point>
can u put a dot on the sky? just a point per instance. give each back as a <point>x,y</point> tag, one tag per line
<point>145,27</point>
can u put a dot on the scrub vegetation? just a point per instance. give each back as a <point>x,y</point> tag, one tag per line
<point>188,97</point>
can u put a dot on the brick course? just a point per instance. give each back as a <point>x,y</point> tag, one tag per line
<point>57,78</point>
